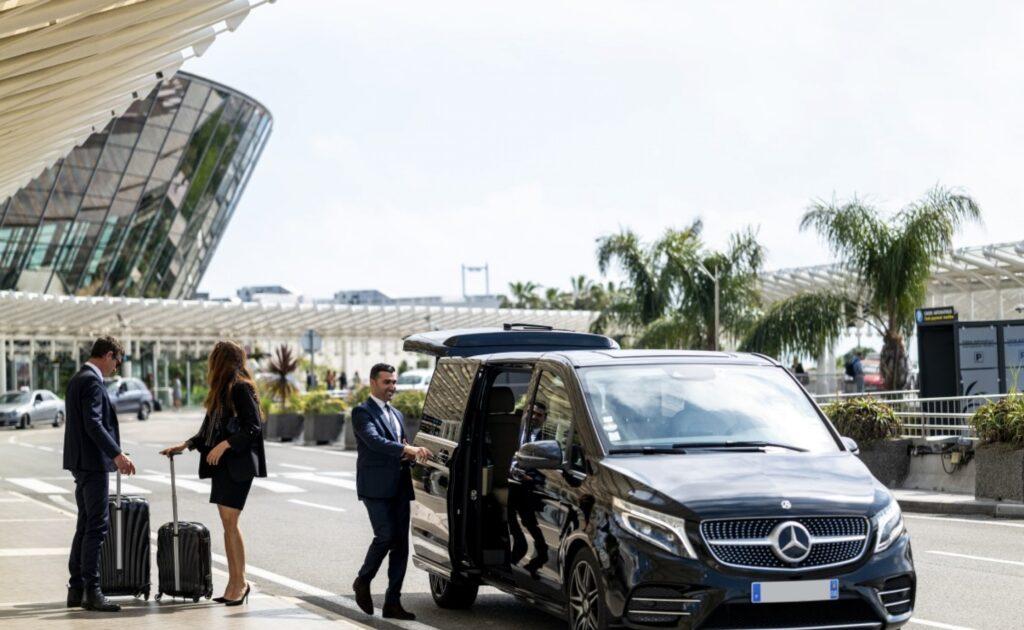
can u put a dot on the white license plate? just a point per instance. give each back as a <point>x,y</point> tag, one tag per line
<point>802,591</point>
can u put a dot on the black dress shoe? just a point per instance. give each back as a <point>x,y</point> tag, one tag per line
<point>97,601</point>
<point>395,611</point>
<point>74,597</point>
<point>362,590</point>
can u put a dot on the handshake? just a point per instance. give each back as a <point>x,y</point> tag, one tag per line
<point>415,453</point>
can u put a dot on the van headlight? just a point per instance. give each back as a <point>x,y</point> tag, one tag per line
<point>889,525</point>
<point>661,530</point>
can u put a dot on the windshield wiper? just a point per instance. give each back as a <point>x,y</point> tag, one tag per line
<point>739,444</point>
<point>648,450</point>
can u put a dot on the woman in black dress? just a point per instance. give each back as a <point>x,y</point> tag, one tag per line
<point>230,444</point>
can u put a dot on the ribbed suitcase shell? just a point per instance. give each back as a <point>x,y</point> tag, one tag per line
<point>133,578</point>
<point>194,556</point>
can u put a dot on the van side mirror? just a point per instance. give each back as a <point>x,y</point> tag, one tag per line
<point>851,445</point>
<point>540,455</point>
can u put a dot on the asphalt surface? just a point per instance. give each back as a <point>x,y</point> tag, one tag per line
<point>306,534</point>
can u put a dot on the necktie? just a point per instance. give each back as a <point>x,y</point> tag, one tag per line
<point>394,421</point>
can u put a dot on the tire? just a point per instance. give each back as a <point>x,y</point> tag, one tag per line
<point>25,422</point>
<point>144,410</point>
<point>587,610</point>
<point>456,595</point>
<point>58,419</point>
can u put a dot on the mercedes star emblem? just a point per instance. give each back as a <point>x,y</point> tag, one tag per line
<point>786,504</point>
<point>791,542</point>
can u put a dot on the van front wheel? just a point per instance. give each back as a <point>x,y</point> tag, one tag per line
<point>586,594</point>
<point>452,594</point>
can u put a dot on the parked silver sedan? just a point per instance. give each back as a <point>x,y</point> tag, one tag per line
<point>25,408</point>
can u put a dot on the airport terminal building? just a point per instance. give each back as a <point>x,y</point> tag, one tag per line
<point>138,208</point>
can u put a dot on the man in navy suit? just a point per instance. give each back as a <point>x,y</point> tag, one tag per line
<point>384,485</point>
<point>92,449</point>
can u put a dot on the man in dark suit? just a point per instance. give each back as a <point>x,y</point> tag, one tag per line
<point>384,485</point>
<point>92,450</point>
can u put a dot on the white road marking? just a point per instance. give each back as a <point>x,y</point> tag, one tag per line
<point>329,508</point>
<point>45,448</point>
<point>323,450</point>
<point>30,520</point>
<point>937,624</point>
<point>297,467</point>
<point>276,486</point>
<point>339,473</point>
<point>195,486</point>
<point>972,521</point>
<point>979,558</point>
<point>37,486</point>
<point>23,552</point>
<point>126,488</point>
<point>329,481</point>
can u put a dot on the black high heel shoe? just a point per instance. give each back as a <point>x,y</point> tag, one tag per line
<point>219,600</point>
<point>239,602</point>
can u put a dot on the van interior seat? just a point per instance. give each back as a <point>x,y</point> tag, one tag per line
<point>503,430</point>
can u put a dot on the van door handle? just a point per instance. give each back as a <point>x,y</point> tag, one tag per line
<point>472,495</point>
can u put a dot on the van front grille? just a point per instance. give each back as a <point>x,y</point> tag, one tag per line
<point>746,543</point>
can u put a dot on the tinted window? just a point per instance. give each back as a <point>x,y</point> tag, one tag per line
<point>445,405</point>
<point>647,405</point>
<point>14,397</point>
<point>550,416</point>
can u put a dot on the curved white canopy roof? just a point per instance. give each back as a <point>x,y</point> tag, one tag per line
<point>51,316</point>
<point>984,282</point>
<point>68,66</point>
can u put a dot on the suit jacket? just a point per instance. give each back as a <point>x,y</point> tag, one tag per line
<point>92,438</point>
<point>246,457</point>
<point>380,471</point>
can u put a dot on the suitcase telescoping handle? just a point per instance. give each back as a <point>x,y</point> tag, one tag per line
<point>118,526</point>
<point>174,537</point>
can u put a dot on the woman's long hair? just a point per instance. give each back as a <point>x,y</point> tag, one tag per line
<point>227,366</point>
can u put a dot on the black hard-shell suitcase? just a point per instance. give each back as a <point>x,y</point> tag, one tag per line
<point>183,556</point>
<point>124,561</point>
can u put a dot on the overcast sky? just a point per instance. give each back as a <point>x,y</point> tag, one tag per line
<point>411,137</point>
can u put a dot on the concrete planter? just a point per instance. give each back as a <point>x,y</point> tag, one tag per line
<point>322,429</point>
<point>284,426</point>
<point>348,436</point>
<point>888,460</point>
<point>1000,472</point>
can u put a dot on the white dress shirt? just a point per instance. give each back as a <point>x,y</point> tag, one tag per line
<point>95,369</point>
<point>391,418</point>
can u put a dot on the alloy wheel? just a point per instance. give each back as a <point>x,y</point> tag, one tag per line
<point>583,598</point>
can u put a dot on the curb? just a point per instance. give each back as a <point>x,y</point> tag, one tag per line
<point>995,510</point>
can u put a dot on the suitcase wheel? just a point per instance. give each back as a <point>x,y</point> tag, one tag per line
<point>158,596</point>
<point>195,600</point>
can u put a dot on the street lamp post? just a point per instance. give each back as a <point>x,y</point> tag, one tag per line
<point>714,277</point>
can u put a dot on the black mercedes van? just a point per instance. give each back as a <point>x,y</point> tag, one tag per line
<point>647,489</point>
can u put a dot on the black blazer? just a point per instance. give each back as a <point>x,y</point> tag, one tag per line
<point>380,471</point>
<point>246,457</point>
<point>92,438</point>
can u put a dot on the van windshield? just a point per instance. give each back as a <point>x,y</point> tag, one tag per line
<point>675,405</point>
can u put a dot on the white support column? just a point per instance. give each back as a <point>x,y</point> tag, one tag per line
<point>3,363</point>
<point>32,363</point>
<point>77,351</point>
<point>129,348</point>
<point>55,366</point>
<point>156,368</point>
<point>166,376</point>
<point>188,379</point>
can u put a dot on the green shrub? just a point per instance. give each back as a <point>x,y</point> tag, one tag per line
<point>319,403</point>
<point>359,396</point>
<point>410,403</point>
<point>1001,421</point>
<point>293,404</point>
<point>863,419</point>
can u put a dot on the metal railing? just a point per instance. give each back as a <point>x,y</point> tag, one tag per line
<point>926,417</point>
<point>885,395</point>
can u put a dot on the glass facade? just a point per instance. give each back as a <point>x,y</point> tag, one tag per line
<point>139,208</point>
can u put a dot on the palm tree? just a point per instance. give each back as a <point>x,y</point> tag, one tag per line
<point>890,261</point>
<point>524,295</point>
<point>282,366</point>
<point>669,301</point>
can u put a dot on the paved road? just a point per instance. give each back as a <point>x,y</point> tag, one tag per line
<point>306,534</point>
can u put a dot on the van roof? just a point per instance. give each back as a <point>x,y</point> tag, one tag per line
<point>510,338</point>
<point>586,358</point>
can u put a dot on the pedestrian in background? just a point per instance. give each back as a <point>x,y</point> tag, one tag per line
<point>92,449</point>
<point>858,371</point>
<point>230,445</point>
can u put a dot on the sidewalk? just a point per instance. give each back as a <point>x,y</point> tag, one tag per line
<point>956,504</point>
<point>34,540</point>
